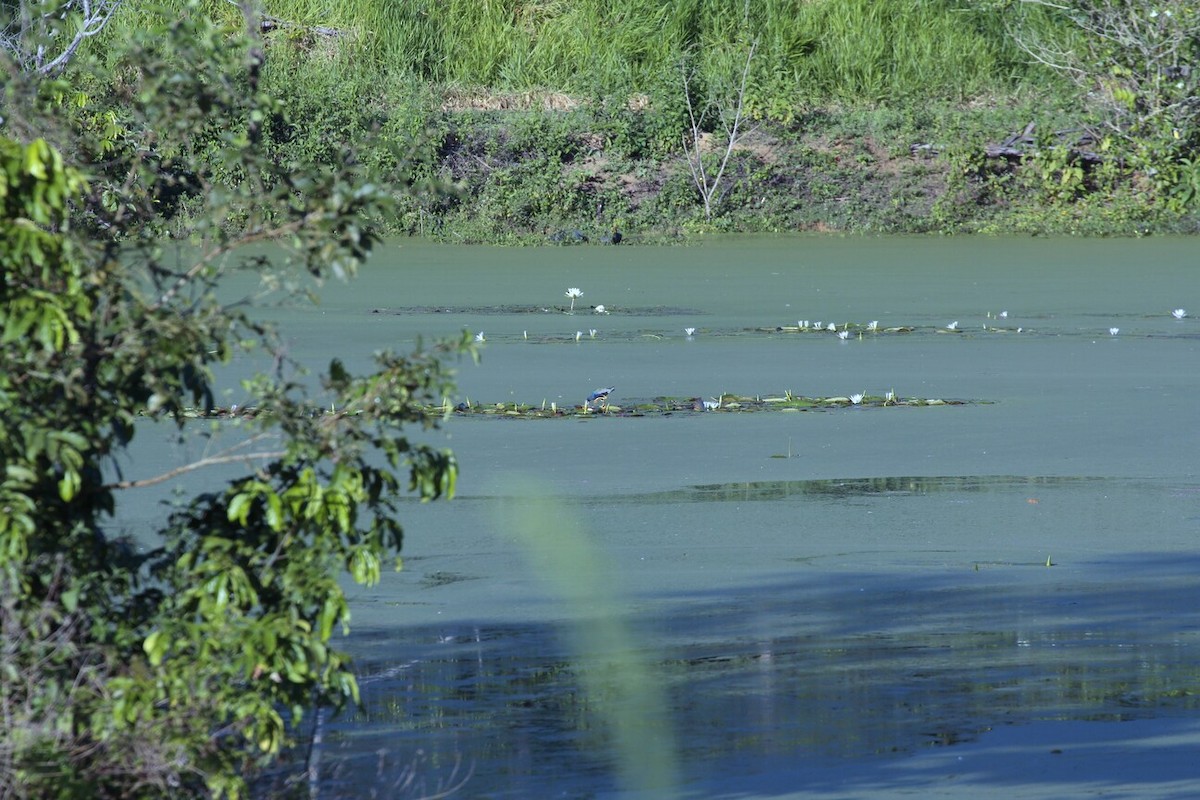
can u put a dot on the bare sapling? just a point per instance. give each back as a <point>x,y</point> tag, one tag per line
<point>712,186</point>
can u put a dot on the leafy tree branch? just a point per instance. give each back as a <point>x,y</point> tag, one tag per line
<point>160,669</point>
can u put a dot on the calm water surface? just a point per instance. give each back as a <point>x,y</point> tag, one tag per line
<point>805,602</point>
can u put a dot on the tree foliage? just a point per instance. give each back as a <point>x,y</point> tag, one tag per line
<point>130,671</point>
<point>1139,64</point>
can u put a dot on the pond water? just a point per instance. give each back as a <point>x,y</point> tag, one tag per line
<point>995,597</point>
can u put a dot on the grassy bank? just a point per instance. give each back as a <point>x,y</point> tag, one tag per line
<point>567,121</point>
<point>535,167</point>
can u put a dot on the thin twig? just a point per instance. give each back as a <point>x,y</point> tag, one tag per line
<point>265,455</point>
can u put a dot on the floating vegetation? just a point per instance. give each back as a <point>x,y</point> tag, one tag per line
<point>726,403</point>
<point>516,309</point>
<point>633,407</point>
<point>807,326</point>
<point>844,330</point>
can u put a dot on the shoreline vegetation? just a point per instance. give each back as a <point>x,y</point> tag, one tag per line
<point>638,121</point>
<point>635,121</point>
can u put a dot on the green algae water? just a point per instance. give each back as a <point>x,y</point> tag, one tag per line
<point>989,596</point>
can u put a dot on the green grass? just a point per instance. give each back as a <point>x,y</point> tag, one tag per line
<point>809,52</point>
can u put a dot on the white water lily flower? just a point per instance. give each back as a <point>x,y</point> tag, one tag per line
<point>592,332</point>
<point>712,405</point>
<point>689,331</point>
<point>578,335</point>
<point>600,309</point>
<point>1113,331</point>
<point>1179,313</point>
<point>857,398</point>
<point>890,397</point>
<point>1003,315</point>
<point>873,325</point>
<point>843,335</point>
<point>574,294</point>
<point>953,326</point>
<point>479,337</point>
<point>831,327</point>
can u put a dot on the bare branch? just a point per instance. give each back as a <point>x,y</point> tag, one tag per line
<point>711,189</point>
<point>228,456</point>
<point>731,132</point>
<point>1133,58</point>
<point>30,33</point>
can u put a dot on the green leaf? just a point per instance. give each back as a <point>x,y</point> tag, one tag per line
<point>275,516</point>
<point>68,486</point>
<point>70,599</point>
<point>239,508</point>
<point>155,647</point>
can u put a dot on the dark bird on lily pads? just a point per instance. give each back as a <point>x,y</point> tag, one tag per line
<point>599,394</point>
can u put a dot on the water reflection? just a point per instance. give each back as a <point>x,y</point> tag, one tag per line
<point>797,672</point>
<point>850,488</point>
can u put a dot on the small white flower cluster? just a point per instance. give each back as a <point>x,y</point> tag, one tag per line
<point>844,333</point>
